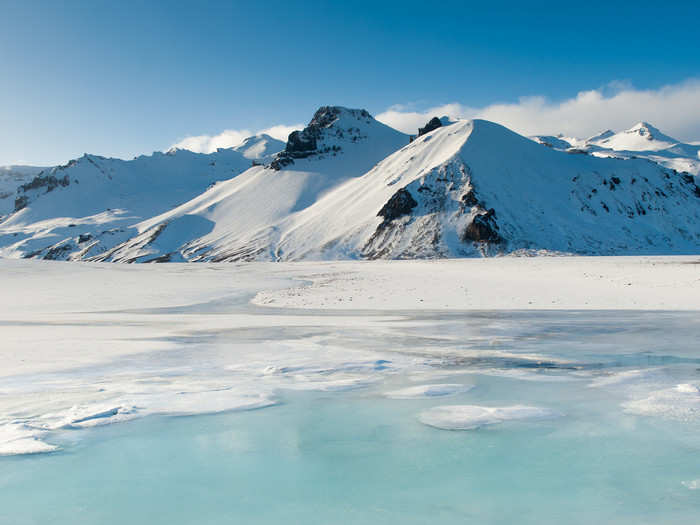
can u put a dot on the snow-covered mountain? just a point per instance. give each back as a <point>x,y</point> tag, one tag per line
<point>259,147</point>
<point>244,218</point>
<point>88,205</point>
<point>348,186</point>
<point>11,178</point>
<point>476,187</point>
<point>641,140</point>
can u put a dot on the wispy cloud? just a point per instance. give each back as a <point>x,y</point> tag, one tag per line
<point>231,137</point>
<point>675,109</point>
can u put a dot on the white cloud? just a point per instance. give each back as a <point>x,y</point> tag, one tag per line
<point>231,137</point>
<point>675,109</point>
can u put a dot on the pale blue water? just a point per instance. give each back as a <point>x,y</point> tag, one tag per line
<point>357,457</point>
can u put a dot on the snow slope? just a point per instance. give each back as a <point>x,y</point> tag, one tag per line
<point>436,194</point>
<point>259,147</point>
<point>88,205</point>
<point>248,214</point>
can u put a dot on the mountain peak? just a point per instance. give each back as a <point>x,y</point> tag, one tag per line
<point>328,121</point>
<point>330,130</point>
<point>645,129</point>
<point>259,146</point>
<point>640,137</point>
<point>326,116</point>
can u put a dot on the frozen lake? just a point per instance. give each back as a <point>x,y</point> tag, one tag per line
<point>163,395</point>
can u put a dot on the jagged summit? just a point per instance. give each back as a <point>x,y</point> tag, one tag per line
<point>328,122</point>
<point>329,131</point>
<point>432,124</point>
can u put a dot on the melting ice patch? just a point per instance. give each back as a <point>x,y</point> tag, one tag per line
<point>623,378</point>
<point>680,402</point>
<point>692,484</point>
<point>470,417</point>
<point>524,374</point>
<point>17,438</point>
<point>427,391</point>
<point>329,377</point>
<point>27,433</point>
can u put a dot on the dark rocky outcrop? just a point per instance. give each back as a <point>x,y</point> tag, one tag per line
<point>47,181</point>
<point>469,199</point>
<point>311,140</point>
<point>687,178</point>
<point>21,202</point>
<point>483,228</point>
<point>57,252</point>
<point>401,203</point>
<point>433,123</point>
<point>300,142</point>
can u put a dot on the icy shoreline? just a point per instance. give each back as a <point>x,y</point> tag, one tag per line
<point>95,344</point>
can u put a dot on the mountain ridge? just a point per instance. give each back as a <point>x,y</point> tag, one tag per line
<point>348,186</point>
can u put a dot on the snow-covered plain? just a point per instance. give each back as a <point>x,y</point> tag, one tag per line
<point>552,283</point>
<point>475,382</point>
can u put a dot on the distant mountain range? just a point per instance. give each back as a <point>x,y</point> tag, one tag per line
<point>348,186</point>
<point>642,141</point>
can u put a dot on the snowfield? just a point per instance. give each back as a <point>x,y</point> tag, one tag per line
<point>520,283</point>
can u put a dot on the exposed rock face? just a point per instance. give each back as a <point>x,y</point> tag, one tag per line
<point>313,138</point>
<point>47,182</point>
<point>21,202</point>
<point>469,199</point>
<point>416,217</point>
<point>401,203</point>
<point>690,180</point>
<point>483,228</point>
<point>433,123</point>
<point>300,142</point>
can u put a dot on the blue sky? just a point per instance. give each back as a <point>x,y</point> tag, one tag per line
<point>124,78</point>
